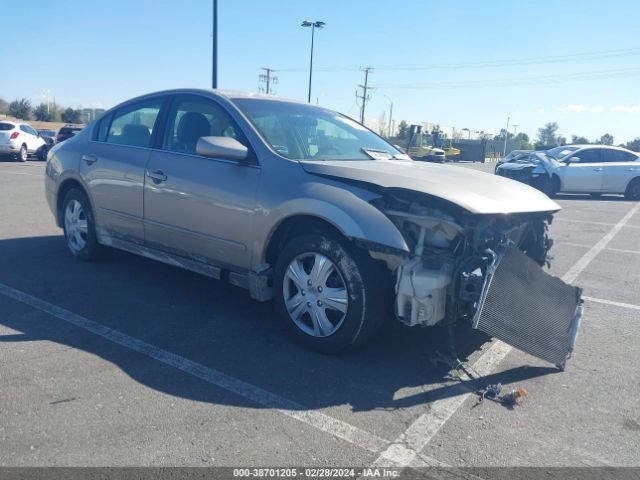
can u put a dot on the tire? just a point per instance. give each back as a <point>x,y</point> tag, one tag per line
<point>22,154</point>
<point>633,190</point>
<point>359,290</point>
<point>551,187</point>
<point>79,226</point>
<point>41,153</point>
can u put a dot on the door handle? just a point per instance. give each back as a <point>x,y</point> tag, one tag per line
<point>632,169</point>
<point>89,159</point>
<point>157,176</point>
<point>597,169</point>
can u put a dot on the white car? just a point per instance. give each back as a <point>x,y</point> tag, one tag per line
<point>20,140</point>
<point>594,169</point>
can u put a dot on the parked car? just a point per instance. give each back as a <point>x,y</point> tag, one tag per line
<point>48,136</point>
<point>20,140</point>
<point>513,156</point>
<point>307,207</point>
<point>594,169</point>
<point>68,131</point>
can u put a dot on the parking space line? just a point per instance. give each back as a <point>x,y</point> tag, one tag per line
<point>22,173</point>
<point>606,224</point>
<point>318,420</point>
<point>611,302</point>
<point>586,259</point>
<point>406,449</point>
<point>609,249</point>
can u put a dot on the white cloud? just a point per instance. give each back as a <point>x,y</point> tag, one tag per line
<point>540,110</point>
<point>573,108</point>
<point>626,108</point>
<point>597,108</point>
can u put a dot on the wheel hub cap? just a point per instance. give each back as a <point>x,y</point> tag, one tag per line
<point>75,225</point>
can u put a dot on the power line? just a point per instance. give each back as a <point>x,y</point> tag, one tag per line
<point>267,79</point>
<point>364,97</point>
<point>575,57</point>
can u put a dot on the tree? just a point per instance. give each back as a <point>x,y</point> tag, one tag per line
<point>4,106</point>
<point>403,130</point>
<point>562,140</point>
<point>20,109</point>
<point>69,115</point>
<point>634,144</point>
<point>547,134</point>
<point>606,139</point>
<point>523,139</point>
<point>42,113</point>
<point>578,140</point>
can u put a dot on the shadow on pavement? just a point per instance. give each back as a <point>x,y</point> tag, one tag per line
<point>220,327</point>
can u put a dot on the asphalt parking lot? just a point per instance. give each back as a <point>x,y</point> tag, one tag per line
<point>131,362</point>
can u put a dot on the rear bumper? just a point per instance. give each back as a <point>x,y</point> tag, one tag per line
<point>7,148</point>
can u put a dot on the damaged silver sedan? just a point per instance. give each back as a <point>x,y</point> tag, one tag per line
<point>307,207</point>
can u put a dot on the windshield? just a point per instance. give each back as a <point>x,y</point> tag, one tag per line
<point>560,152</point>
<point>305,132</point>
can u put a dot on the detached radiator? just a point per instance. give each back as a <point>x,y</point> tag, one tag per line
<point>529,309</point>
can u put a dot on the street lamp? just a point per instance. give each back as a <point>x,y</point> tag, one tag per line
<point>313,26</point>
<point>390,114</point>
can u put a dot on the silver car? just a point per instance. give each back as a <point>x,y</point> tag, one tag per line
<point>594,169</point>
<point>307,207</point>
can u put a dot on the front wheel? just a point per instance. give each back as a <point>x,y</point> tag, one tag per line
<point>79,226</point>
<point>330,295</point>
<point>41,153</point>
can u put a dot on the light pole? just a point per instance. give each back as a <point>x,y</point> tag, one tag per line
<point>390,114</point>
<point>506,133</point>
<point>214,56</point>
<point>313,26</point>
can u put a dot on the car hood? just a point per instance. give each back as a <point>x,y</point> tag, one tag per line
<point>477,192</point>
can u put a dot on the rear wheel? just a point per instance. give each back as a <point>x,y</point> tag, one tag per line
<point>329,294</point>
<point>22,154</point>
<point>633,190</point>
<point>79,226</point>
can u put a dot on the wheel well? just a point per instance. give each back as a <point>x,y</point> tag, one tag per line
<point>632,181</point>
<point>292,226</point>
<point>62,192</point>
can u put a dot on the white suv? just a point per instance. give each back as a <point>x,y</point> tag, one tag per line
<point>20,140</point>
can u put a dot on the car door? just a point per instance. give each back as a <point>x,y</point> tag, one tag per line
<point>585,174</point>
<point>113,165</point>
<point>620,168</point>
<point>31,138</point>
<point>200,207</point>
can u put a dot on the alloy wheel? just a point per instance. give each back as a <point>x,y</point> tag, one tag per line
<point>75,225</point>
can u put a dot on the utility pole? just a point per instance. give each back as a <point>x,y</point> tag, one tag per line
<point>364,97</point>
<point>214,57</point>
<point>390,116</point>
<point>506,134</point>
<point>268,78</point>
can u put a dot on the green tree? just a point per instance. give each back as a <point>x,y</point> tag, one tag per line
<point>547,135</point>
<point>20,109</point>
<point>4,106</point>
<point>403,130</point>
<point>578,140</point>
<point>69,115</point>
<point>634,144</point>
<point>42,113</point>
<point>562,140</point>
<point>606,139</point>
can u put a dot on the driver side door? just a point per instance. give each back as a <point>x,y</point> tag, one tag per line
<point>585,175</point>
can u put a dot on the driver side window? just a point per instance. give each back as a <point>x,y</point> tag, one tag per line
<point>193,117</point>
<point>588,156</point>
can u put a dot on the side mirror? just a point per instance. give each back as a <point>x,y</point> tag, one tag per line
<point>572,160</point>
<point>221,147</point>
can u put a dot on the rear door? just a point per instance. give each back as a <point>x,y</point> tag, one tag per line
<point>195,206</point>
<point>585,175</point>
<point>113,165</point>
<point>620,168</point>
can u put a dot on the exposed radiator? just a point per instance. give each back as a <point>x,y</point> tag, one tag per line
<point>529,309</point>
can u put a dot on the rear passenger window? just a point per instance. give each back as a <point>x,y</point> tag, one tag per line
<point>103,128</point>
<point>133,125</point>
<point>619,156</point>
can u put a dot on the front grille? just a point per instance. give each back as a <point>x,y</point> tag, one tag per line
<point>523,175</point>
<point>530,309</point>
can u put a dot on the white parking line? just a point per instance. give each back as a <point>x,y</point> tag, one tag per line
<point>589,222</point>
<point>610,302</point>
<point>318,420</point>
<point>586,259</point>
<point>406,449</point>
<point>608,249</point>
<point>22,173</point>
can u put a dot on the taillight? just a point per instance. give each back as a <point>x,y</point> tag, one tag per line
<point>14,135</point>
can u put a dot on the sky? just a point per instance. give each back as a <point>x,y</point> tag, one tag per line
<point>467,64</point>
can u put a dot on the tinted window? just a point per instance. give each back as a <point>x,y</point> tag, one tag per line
<point>588,156</point>
<point>102,129</point>
<point>193,117</point>
<point>24,128</point>
<point>31,130</point>
<point>133,125</point>
<point>619,156</point>
<point>6,126</point>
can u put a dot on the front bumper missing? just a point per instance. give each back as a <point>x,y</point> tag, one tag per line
<point>529,309</point>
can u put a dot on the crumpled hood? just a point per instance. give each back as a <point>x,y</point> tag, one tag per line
<point>477,192</point>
